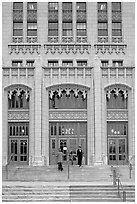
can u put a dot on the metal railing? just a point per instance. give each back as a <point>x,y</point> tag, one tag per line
<point>9,160</point>
<point>120,188</point>
<point>117,183</point>
<point>130,166</point>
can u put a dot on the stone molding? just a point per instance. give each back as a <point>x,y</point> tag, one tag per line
<point>113,115</point>
<point>18,115</point>
<point>67,48</point>
<point>72,115</point>
<point>24,48</point>
<point>110,48</point>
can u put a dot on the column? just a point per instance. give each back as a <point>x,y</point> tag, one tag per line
<point>38,119</point>
<point>97,112</point>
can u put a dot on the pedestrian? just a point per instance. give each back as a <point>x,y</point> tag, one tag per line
<point>79,155</point>
<point>60,159</point>
<point>71,157</point>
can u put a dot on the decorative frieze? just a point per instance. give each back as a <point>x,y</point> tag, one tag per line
<point>24,48</point>
<point>20,115</point>
<point>18,15</point>
<point>68,115</point>
<point>68,71</point>
<point>81,16</point>
<point>117,90</point>
<point>81,39</point>
<point>110,48</point>
<point>113,115</point>
<point>116,16</point>
<point>17,39</point>
<point>102,39</point>
<point>53,39</point>
<point>117,39</point>
<point>66,39</point>
<point>102,16</point>
<point>32,15</point>
<point>67,48</point>
<point>31,39</point>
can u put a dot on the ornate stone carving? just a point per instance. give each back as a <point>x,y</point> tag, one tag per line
<point>102,16</point>
<point>18,115</point>
<point>102,39</point>
<point>82,39</point>
<point>18,91</point>
<point>14,72</point>
<point>59,91</point>
<point>6,72</point>
<point>68,115</point>
<point>66,39</point>
<point>53,39</point>
<point>110,48</point>
<point>117,115</point>
<point>117,39</point>
<point>81,16</point>
<point>116,16</point>
<point>53,15</point>
<point>66,48</point>
<point>116,91</point>
<point>32,15</point>
<point>18,15</point>
<point>104,72</point>
<point>24,48</point>
<point>17,39</point>
<point>67,16</point>
<point>31,39</point>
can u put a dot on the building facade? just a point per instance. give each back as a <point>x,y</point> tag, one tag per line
<point>68,80</point>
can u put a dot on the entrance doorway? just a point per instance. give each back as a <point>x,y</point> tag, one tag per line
<point>117,151</point>
<point>67,136</point>
<point>18,142</point>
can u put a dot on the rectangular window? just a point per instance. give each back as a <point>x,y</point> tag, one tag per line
<point>32,19</point>
<point>53,19</point>
<point>17,63</point>
<point>104,63</point>
<point>102,29</point>
<point>68,63</point>
<point>17,19</point>
<point>102,19</point>
<point>67,29</point>
<point>118,63</point>
<point>53,63</point>
<point>32,29</point>
<point>116,19</point>
<point>81,19</point>
<point>30,63</point>
<point>116,29</point>
<point>81,63</point>
<point>67,23</point>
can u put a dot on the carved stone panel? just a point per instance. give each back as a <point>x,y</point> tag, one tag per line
<point>117,115</point>
<point>68,115</point>
<point>18,115</point>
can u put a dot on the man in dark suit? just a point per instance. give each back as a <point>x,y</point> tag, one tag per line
<point>79,155</point>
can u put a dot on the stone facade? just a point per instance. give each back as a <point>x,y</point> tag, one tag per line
<point>95,79</point>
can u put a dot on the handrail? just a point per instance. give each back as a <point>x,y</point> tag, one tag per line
<point>120,185</point>
<point>9,160</point>
<point>130,166</point>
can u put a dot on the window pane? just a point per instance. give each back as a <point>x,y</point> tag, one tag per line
<point>32,33</point>
<point>53,33</point>
<point>67,25</point>
<point>102,6</point>
<point>18,5</point>
<point>102,25</point>
<point>81,6</point>
<point>17,25</point>
<point>116,25</point>
<point>17,32</point>
<point>81,25</point>
<point>67,6</point>
<point>32,6</point>
<point>53,25</point>
<point>53,6</point>
<point>116,6</point>
<point>32,25</point>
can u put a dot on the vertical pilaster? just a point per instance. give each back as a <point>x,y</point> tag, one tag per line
<point>109,21</point>
<point>97,112</point>
<point>74,21</point>
<point>60,21</point>
<point>38,111</point>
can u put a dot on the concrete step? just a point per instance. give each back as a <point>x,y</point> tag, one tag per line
<point>92,193</point>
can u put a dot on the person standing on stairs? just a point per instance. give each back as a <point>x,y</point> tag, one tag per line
<point>60,159</point>
<point>79,155</point>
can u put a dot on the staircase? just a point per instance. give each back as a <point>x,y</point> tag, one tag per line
<point>63,192</point>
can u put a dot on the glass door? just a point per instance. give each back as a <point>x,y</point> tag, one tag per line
<point>117,151</point>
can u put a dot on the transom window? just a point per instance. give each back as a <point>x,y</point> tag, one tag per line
<point>18,129</point>
<point>104,63</point>
<point>118,63</point>
<point>17,63</point>
<point>53,63</point>
<point>81,63</point>
<point>67,63</point>
<point>30,63</point>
